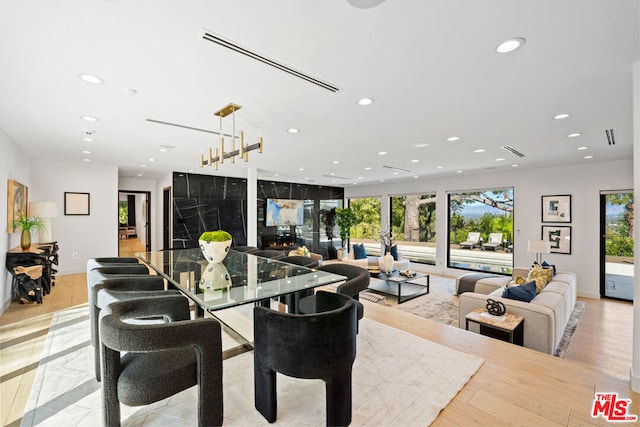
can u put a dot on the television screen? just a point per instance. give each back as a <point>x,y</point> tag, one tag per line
<point>284,212</point>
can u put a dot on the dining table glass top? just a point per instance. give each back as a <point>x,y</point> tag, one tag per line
<point>240,278</point>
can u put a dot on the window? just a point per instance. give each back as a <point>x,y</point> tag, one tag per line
<point>123,213</point>
<point>481,230</point>
<point>367,211</point>
<point>413,223</point>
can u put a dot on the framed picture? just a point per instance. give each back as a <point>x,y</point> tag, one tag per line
<point>556,208</point>
<point>17,202</point>
<point>559,236</point>
<point>76,203</point>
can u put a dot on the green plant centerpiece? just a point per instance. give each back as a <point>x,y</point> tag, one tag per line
<point>26,223</point>
<point>215,245</point>
<point>345,218</point>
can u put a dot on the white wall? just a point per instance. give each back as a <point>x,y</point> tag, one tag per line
<point>14,164</point>
<point>88,236</point>
<point>584,182</point>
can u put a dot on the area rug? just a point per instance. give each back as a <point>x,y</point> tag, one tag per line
<point>441,305</point>
<point>398,379</point>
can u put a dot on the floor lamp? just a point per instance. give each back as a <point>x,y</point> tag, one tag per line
<point>539,247</point>
<point>46,211</point>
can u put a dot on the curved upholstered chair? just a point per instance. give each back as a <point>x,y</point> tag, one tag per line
<point>357,280</point>
<point>269,253</point>
<point>320,346</point>
<point>107,261</point>
<point>292,300</point>
<point>161,359</point>
<point>119,289</point>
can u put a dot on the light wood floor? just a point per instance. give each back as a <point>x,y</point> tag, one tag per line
<point>515,386</point>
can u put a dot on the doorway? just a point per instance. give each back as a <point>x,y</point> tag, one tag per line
<point>616,244</point>
<point>134,222</point>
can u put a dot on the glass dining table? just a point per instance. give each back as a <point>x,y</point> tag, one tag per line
<point>240,279</point>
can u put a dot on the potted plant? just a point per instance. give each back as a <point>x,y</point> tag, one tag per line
<point>215,245</point>
<point>26,223</point>
<point>345,218</point>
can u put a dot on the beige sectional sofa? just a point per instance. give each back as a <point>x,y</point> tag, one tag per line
<point>545,317</point>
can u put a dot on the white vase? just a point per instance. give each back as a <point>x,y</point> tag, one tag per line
<point>214,251</point>
<point>215,277</point>
<point>387,262</point>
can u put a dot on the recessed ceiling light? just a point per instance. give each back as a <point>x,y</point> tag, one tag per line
<point>335,162</point>
<point>163,150</point>
<point>87,152</point>
<point>510,45</point>
<point>414,160</point>
<point>458,171</point>
<point>453,138</point>
<point>143,166</point>
<point>500,159</point>
<point>515,166</point>
<point>190,170</point>
<point>421,145</point>
<point>573,135</point>
<point>588,157</point>
<point>439,167</point>
<point>86,160</point>
<point>88,139</point>
<point>368,168</point>
<point>90,78</point>
<point>301,169</point>
<point>276,174</point>
<point>360,177</point>
<point>131,92</point>
<point>151,160</point>
<point>332,173</point>
<point>293,130</point>
<point>139,174</point>
<point>382,153</point>
<point>415,176</point>
<point>395,173</point>
<point>479,150</point>
<point>561,116</point>
<point>89,118</point>
<point>582,148</point>
<point>382,180</point>
<point>365,101</point>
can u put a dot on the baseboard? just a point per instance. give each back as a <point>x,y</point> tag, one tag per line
<point>635,381</point>
<point>589,295</point>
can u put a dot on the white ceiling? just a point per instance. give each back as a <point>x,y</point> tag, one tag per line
<point>430,66</point>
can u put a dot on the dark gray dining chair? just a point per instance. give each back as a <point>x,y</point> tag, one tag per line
<point>269,253</point>
<point>292,300</point>
<point>314,346</point>
<point>247,249</point>
<point>161,359</point>
<point>358,280</point>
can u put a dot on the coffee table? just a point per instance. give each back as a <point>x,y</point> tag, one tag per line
<point>403,287</point>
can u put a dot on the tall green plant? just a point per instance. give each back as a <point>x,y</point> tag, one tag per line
<point>345,218</point>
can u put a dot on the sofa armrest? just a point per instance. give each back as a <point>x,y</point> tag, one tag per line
<point>539,321</point>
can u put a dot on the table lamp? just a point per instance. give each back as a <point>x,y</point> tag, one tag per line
<point>539,247</point>
<point>45,211</point>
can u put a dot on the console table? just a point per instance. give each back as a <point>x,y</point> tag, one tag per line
<point>38,254</point>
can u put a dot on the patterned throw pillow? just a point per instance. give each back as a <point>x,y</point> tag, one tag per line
<point>539,275</point>
<point>518,280</point>
<point>548,270</point>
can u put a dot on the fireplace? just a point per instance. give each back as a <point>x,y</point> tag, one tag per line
<point>279,242</point>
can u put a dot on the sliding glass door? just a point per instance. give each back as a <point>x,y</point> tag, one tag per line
<point>616,246</point>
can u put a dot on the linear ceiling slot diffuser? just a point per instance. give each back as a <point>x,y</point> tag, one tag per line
<point>611,139</point>
<point>335,176</point>
<point>512,150</point>
<point>212,37</point>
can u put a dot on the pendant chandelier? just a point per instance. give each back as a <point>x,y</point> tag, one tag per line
<point>220,154</point>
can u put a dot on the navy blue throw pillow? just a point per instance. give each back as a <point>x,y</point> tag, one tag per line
<point>359,252</point>
<point>394,252</point>
<point>525,292</point>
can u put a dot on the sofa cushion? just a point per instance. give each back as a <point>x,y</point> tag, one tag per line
<point>525,292</point>
<point>545,264</point>
<point>359,252</point>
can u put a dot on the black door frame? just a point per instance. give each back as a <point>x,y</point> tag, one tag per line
<point>147,219</point>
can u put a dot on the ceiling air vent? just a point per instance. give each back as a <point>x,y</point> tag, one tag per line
<point>335,176</point>
<point>512,150</point>
<point>611,139</point>
<point>212,37</point>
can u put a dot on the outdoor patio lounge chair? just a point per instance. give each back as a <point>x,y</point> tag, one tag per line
<point>495,240</point>
<point>473,240</point>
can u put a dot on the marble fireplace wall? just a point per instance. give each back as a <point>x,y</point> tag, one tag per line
<point>311,234</point>
<point>207,202</point>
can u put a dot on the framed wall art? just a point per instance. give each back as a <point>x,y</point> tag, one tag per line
<point>559,236</point>
<point>556,208</point>
<point>17,202</point>
<point>76,203</point>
